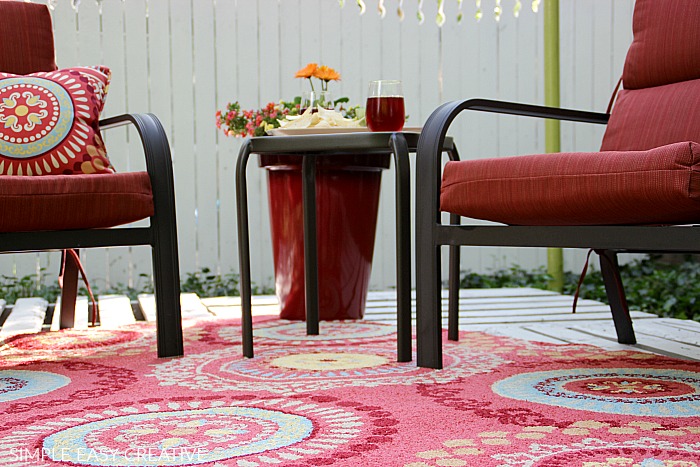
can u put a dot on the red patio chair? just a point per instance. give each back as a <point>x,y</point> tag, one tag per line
<point>640,193</point>
<point>63,212</point>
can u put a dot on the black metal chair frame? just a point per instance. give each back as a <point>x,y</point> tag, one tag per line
<point>607,241</point>
<point>160,235</point>
<point>311,147</point>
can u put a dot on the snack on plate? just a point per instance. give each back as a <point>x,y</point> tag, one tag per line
<point>321,119</point>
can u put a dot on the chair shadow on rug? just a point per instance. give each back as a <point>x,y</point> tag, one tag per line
<point>58,190</point>
<point>638,194</point>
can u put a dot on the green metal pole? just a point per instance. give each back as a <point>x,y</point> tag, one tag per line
<point>552,128</point>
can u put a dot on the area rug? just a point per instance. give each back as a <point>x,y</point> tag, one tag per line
<point>102,398</point>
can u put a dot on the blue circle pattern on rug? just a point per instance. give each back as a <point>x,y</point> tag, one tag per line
<point>20,384</point>
<point>635,391</point>
<point>178,437</point>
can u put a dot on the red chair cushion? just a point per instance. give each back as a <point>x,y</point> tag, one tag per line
<point>666,43</point>
<point>56,202</point>
<point>49,122</point>
<point>27,44</point>
<point>659,186</point>
<point>648,118</point>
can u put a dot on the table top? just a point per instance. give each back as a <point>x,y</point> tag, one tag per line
<point>333,143</point>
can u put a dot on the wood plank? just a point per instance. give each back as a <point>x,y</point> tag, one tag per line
<point>236,301</point>
<point>521,317</point>
<point>473,293</point>
<point>192,306</point>
<point>647,342</point>
<point>564,332</point>
<point>147,302</point>
<point>234,311</point>
<point>512,310</point>
<point>555,317</point>
<point>507,302</point>
<point>115,311</point>
<point>514,331</point>
<point>27,316</point>
<point>671,333</point>
<point>230,307</point>
<point>681,324</point>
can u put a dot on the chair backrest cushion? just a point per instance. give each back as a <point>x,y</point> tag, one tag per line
<point>651,117</point>
<point>27,44</point>
<point>666,44</point>
<point>661,79</point>
<point>49,122</point>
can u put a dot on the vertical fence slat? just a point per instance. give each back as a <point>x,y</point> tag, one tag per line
<point>225,67</point>
<point>204,101</point>
<point>182,137</point>
<point>248,48</point>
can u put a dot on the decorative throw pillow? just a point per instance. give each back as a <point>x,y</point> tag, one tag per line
<point>49,122</point>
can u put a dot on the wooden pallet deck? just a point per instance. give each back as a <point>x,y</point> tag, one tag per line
<point>523,313</point>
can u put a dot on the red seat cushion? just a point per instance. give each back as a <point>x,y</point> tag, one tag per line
<point>57,202</point>
<point>658,186</point>
<point>27,44</point>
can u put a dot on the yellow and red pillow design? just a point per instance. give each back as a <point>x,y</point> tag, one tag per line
<point>49,122</point>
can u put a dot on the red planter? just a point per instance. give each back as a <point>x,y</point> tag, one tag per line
<point>347,201</point>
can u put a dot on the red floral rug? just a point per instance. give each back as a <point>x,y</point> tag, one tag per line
<point>101,398</point>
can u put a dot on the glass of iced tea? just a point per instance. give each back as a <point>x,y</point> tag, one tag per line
<point>316,99</point>
<point>385,108</point>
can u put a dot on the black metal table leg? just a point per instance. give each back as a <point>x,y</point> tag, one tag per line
<point>403,246</point>
<point>308,192</point>
<point>244,248</point>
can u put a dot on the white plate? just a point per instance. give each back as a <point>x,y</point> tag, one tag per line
<point>328,131</point>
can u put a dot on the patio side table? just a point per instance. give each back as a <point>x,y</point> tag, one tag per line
<point>311,147</point>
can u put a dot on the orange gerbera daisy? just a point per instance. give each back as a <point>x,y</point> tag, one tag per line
<point>326,74</point>
<point>307,72</point>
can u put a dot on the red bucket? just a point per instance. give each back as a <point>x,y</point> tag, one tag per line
<point>347,202</point>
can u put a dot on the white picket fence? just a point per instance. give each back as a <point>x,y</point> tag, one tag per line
<point>184,59</point>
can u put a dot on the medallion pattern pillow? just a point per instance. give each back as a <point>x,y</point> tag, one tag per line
<point>49,122</point>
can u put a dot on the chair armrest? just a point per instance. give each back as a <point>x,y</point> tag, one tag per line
<point>156,149</point>
<point>526,110</point>
<point>153,139</point>
<point>432,136</point>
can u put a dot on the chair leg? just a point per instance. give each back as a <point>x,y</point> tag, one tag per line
<point>453,288</point>
<point>453,280</point>
<point>166,276</point>
<point>428,308</point>
<point>616,296</point>
<point>68,280</point>
<point>403,247</point>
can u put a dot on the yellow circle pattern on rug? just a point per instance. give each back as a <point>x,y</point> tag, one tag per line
<point>329,361</point>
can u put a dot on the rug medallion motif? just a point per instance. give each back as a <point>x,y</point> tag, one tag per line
<point>103,398</point>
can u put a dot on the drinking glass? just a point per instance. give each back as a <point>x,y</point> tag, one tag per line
<point>316,99</point>
<point>385,107</point>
